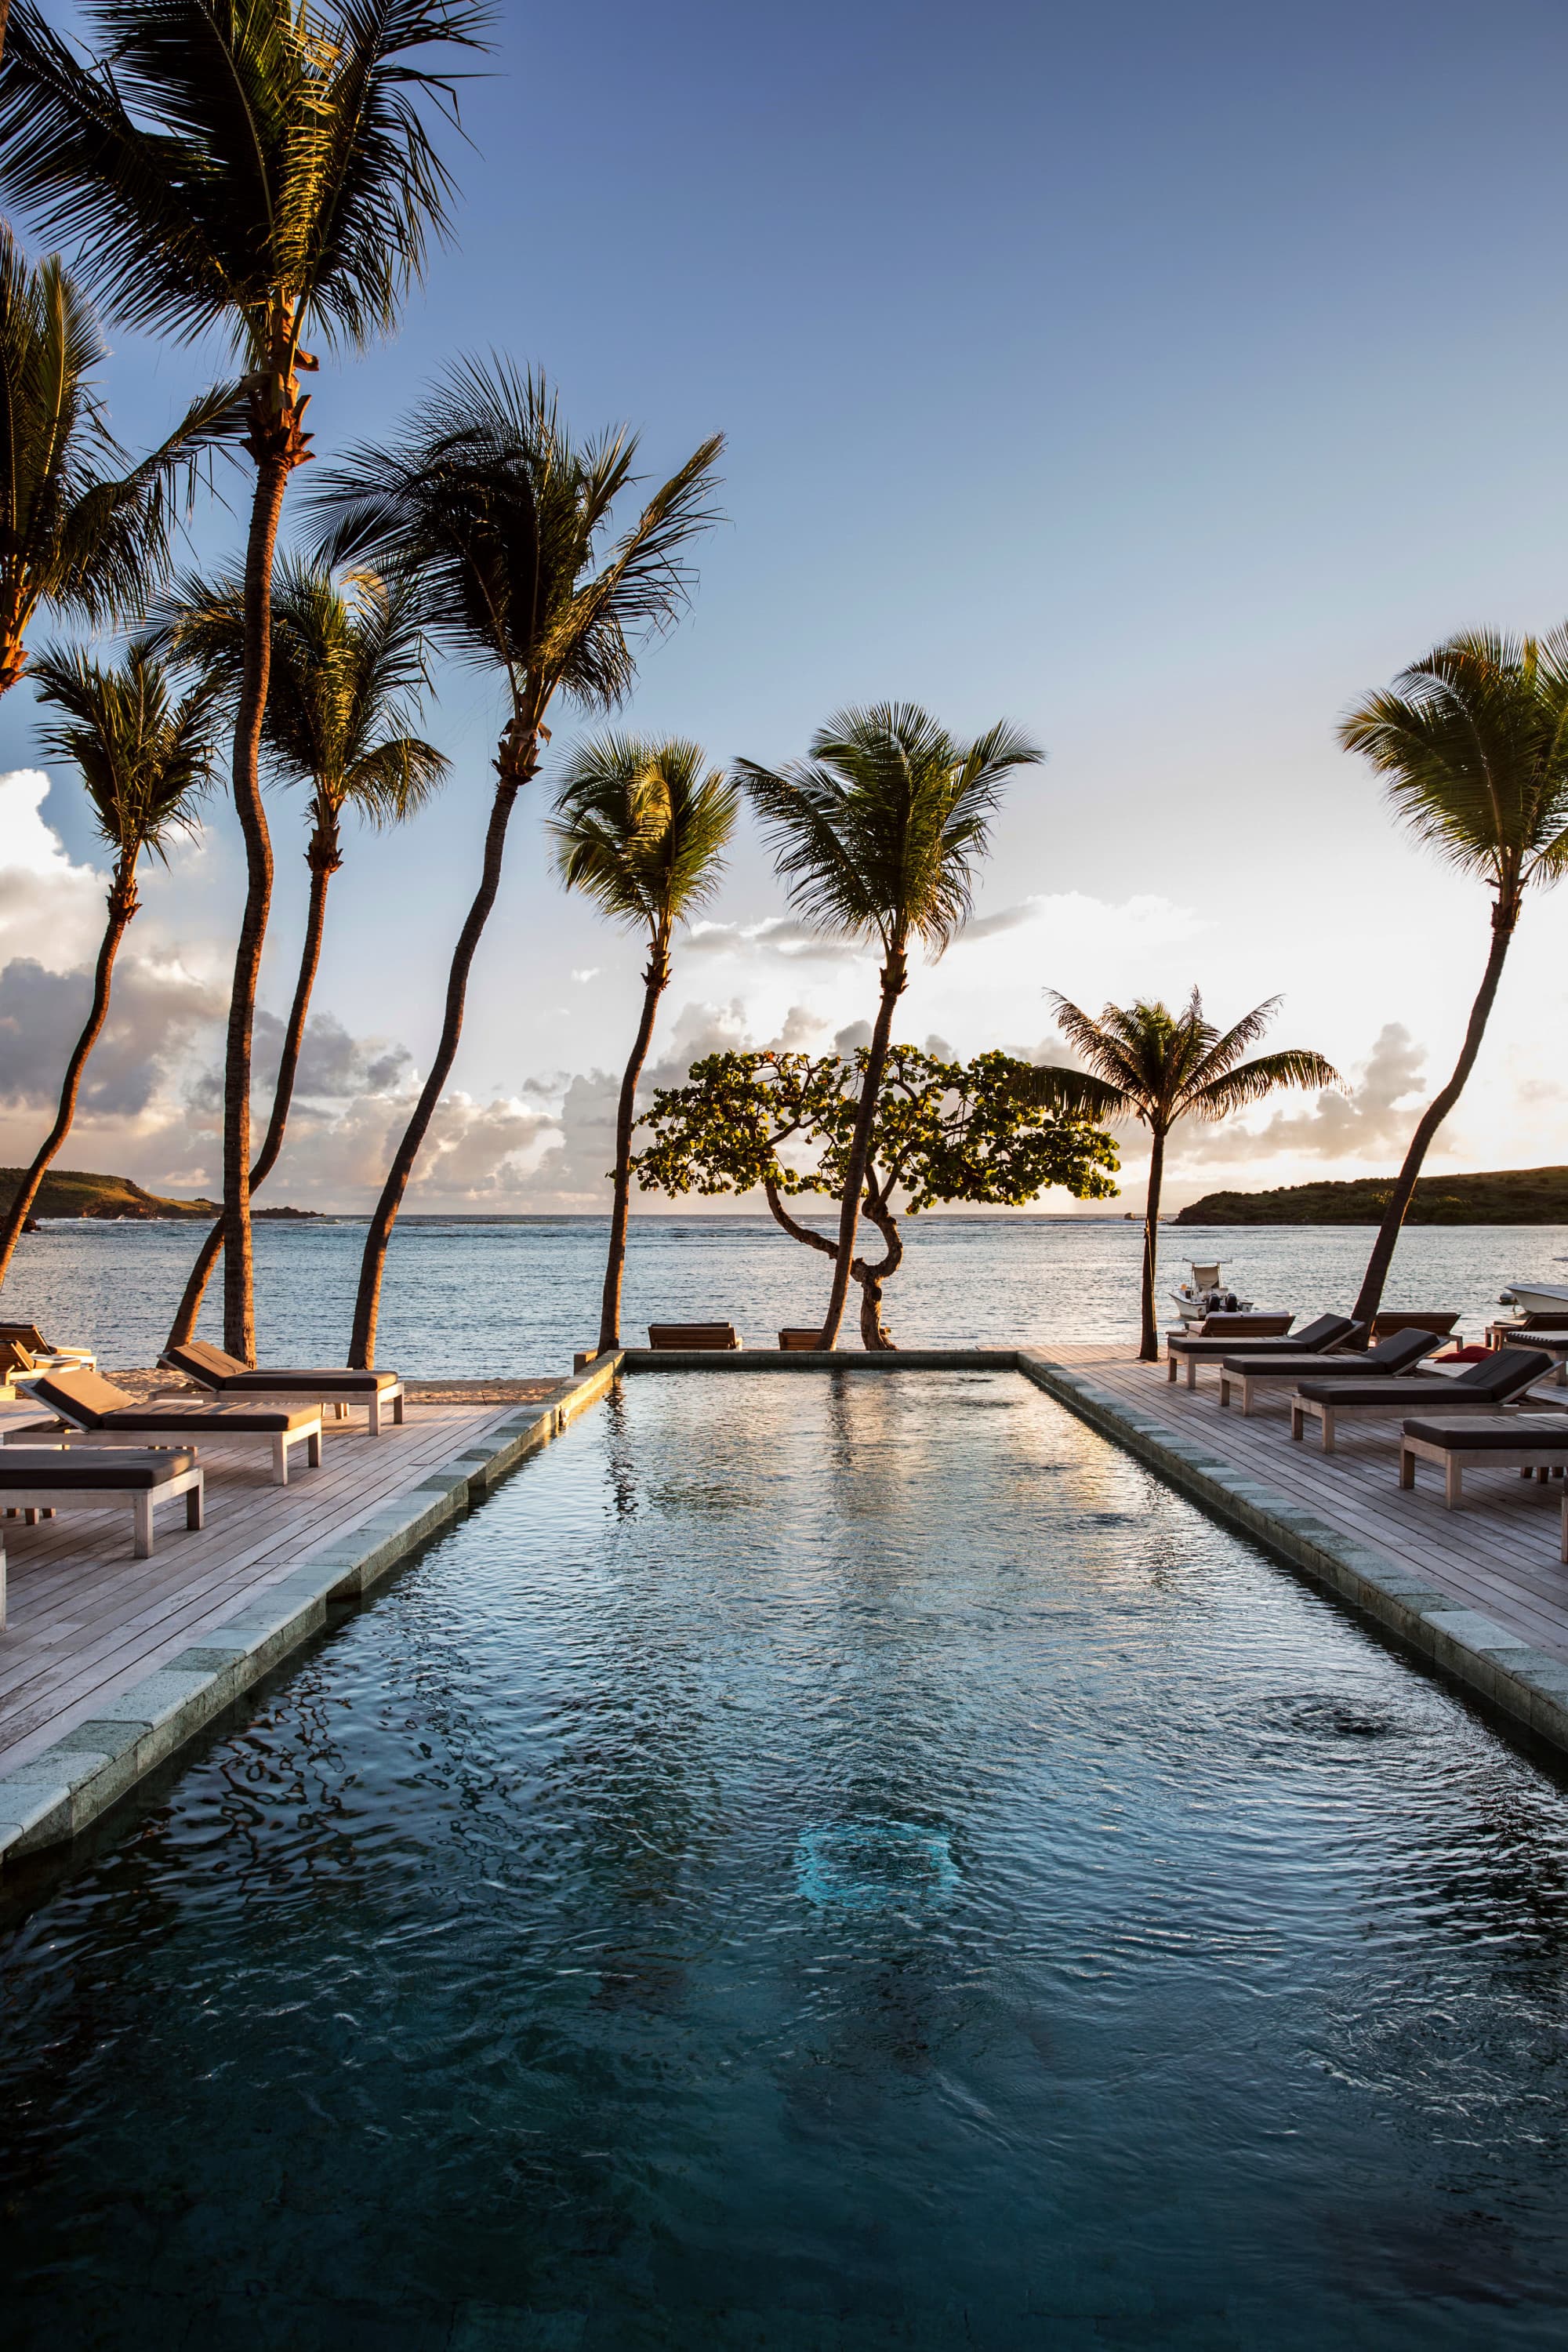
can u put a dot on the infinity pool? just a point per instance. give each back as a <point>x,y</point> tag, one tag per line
<point>818,1865</point>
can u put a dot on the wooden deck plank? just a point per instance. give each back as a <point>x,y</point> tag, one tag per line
<point>87,1621</point>
<point>1497,1553</point>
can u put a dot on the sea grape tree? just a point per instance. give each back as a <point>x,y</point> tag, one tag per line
<point>785,1125</point>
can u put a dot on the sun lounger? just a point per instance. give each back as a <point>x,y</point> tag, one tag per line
<point>693,1335</point>
<point>47,1357</point>
<point>1515,1441</point>
<point>1206,1346</point>
<point>52,1477</point>
<point>227,1378</point>
<point>799,1339</point>
<point>1398,1353</point>
<point>1552,1344</point>
<point>1481,1388</point>
<point>1390,1319</point>
<point>100,1414</point>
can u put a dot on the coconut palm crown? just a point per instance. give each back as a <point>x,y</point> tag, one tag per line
<point>640,828</point>
<point>876,835</point>
<point>144,759</point>
<point>506,527</point>
<point>1147,1063</point>
<point>1472,744</point>
<point>83,530</point>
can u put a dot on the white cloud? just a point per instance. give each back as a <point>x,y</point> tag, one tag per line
<point>50,908</point>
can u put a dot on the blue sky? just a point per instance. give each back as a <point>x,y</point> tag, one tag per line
<point>1161,379</point>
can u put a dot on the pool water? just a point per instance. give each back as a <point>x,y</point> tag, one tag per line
<point>814,1865</point>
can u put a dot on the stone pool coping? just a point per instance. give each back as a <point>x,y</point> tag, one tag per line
<point>57,1793</point>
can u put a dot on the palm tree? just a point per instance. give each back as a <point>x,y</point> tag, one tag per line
<point>144,761</point>
<point>261,169</point>
<point>81,529</point>
<point>642,828</point>
<point>1473,741</point>
<point>1148,1063</point>
<point>486,504</point>
<point>348,675</point>
<point>877,833</point>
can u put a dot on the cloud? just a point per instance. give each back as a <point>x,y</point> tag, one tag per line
<point>779,935</point>
<point>1372,1121</point>
<point>155,1012</point>
<point>49,906</point>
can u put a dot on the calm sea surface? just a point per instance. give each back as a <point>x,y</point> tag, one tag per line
<point>520,1294</point>
<point>811,1866</point>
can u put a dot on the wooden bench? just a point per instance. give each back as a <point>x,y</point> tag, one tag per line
<point>798,1339</point>
<point>52,1477</point>
<point>720,1337</point>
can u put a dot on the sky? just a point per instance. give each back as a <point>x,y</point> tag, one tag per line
<point>1162,379</point>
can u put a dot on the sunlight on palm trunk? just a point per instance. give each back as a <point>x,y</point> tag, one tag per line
<point>1473,743</point>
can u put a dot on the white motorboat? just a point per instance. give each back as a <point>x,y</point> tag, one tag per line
<point>1205,1294</point>
<point>1536,1298</point>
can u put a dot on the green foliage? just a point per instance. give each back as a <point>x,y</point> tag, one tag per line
<point>878,832</point>
<point>485,506</point>
<point>1148,1063</point>
<point>348,679</point>
<point>641,828</point>
<point>81,529</point>
<point>1473,741</point>
<point>944,1131</point>
<point>144,756</point>
<point>260,168</point>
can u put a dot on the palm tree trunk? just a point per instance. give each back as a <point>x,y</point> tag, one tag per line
<point>272,471</point>
<point>373,1264</point>
<point>1149,1343</point>
<point>190,1305</point>
<point>894,975</point>
<point>656,980</point>
<point>1505,915</point>
<point>121,907</point>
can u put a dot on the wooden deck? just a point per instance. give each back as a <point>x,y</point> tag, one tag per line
<point>1496,1553</point>
<point>87,1621</point>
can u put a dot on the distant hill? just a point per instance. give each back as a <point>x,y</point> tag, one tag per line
<point>1509,1196</point>
<point>71,1192</point>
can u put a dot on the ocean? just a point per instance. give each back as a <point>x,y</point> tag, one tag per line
<point>472,1296</point>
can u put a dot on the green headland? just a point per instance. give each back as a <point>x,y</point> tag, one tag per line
<point>1504,1196</point>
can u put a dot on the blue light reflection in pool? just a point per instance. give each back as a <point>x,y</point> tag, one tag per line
<point>820,1865</point>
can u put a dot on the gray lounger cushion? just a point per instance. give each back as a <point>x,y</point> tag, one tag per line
<point>95,1403</point>
<point>1315,1337</point>
<point>1395,1354</point>
<point>199,1360</point>
<point>1515,1433</point>
<point>80,1471</point>
<point>1492,1383</point>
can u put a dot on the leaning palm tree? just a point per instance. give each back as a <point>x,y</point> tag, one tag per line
<point>143,758</point>
<point>641,828</point>
<point>1473,741</point>
<point>263,170</point>
<point>83,530</point>
<point>489,508</point>
<point>348,677</point>
<point>1148,1063</point>
<point>878,832</point>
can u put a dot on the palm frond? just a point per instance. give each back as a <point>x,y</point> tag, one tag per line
<point>641,828</point>
<point>1250,1082</point>
<point>878,832</point>
<point>1214,1053</point>
<point>144,757</point>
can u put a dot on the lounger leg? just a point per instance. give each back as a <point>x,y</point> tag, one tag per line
<point>1406,1468</point>
<point>1224,1393</point>
<point>1192,1371</point>
<point>375,1416</point>
<point>193,1504</point>
<point>1170,1368</point>
<point>1297,1423</point>
<point>1327,1430</point>
<point>142,1513</point>
<point>397,1412</point>
<point>280,1461</point>
<point>1453,1484</point>
<point>313,1450</point>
